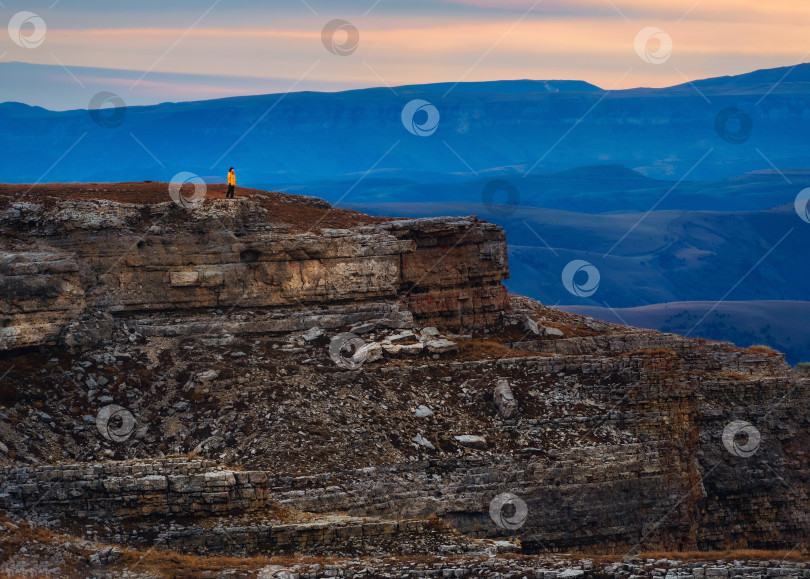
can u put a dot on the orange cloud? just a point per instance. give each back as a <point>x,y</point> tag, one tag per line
<point>644,9</point>
<point>404,51</point>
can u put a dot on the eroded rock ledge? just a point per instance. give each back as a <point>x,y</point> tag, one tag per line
<point>193,505</point>
<point>72,268</point>
<point>214,329</point>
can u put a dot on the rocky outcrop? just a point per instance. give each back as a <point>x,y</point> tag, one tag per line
<point>340,535</point>
<point>549,567</point>
<point>371,371</point>
<point>613,453</point>
<point>620,438</point>
<point>504,399</point>
<point>81,265</point>
<point>608,451</point>
<point>118,491</point>
<point>178,500</point>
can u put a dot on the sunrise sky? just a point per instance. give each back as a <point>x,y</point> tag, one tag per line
<point>207,48</point>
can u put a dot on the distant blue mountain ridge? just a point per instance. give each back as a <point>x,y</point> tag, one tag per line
<point>501,128</point>
<point>681,194</point>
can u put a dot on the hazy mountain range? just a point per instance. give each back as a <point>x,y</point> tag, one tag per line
<point>681,194</point>
<point>491,129</point>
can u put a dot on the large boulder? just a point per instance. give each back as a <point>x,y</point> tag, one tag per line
<point>504,399</point>
<point>441,346</point>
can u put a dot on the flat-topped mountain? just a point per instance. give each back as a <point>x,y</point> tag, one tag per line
<point>271,376</point>
<point>491,129</point>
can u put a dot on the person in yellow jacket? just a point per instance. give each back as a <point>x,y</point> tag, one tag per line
<point>231,184</point>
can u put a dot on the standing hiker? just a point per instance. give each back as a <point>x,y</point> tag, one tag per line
<point>231,184</point>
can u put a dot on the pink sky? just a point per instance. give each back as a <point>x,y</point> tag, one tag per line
<point>442,41</point>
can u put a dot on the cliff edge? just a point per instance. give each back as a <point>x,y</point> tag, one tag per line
<point>72,264</point>
<point>370,386</point>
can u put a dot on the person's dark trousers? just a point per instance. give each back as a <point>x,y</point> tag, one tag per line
<point>229,194</point>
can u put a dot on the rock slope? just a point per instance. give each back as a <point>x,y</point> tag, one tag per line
<point>377,386</point>
<point>80,257</point>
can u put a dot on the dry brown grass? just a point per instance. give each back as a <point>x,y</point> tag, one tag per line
<point>767,350</point>
<point>731,375</point>
<point>282,208</point>
<point>164,563</point>
<point>480,349</point>
<point>22,533</point>
<point>167,563</point>
<point>171,564</point>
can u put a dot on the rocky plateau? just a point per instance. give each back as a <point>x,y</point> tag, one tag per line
<point>273,387</point>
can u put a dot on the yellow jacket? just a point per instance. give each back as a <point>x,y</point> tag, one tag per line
<point>231,178</point>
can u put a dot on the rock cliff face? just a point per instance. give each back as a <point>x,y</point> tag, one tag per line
<point>142,494</point>
<point>370,378</point>
<point>79,258</point>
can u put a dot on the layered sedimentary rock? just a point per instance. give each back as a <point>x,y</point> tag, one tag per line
<point>186,495</point>
<point>215,330</point>
<point>80,263</point>
<point>117,491</point>
<point>612,451</point>
<point>625,447</point>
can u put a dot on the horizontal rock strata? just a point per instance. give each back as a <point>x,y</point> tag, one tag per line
<point>82,263</point>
